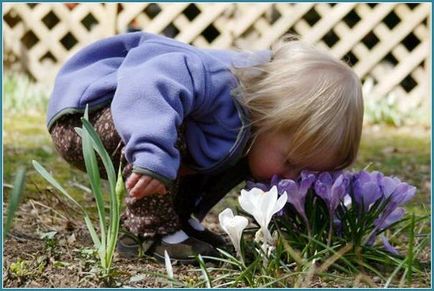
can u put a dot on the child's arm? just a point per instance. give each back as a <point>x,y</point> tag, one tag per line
<point>140,186</point>
<point>152,99</point>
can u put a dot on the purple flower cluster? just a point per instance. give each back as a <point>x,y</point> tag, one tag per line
<point>362,189</point>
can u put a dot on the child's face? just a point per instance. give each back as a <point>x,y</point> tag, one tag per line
<point>269,157</point>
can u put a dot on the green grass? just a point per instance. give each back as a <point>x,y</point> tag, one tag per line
<point>25,138</point>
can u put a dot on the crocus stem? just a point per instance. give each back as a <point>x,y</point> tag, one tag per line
<point>239,254</point>
<point>329,239</point>
<point>309,231</point>
<point>265,254</point>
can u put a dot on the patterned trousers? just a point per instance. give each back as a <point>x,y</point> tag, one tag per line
<point>150,216</point>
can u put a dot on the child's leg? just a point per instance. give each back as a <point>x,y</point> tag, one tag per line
<point>153,217</point>
<point>68,143</point>
<point>147,217</point>
<point>199,193</point>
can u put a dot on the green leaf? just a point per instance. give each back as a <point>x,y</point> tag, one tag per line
<point>50,179</point>
<point>92,170</point>
<point>14,199</point>
<point>113,228</point>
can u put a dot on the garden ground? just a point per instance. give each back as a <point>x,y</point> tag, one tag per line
<point>49,245</point>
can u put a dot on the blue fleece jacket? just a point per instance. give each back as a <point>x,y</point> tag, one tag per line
<point>155,84</point>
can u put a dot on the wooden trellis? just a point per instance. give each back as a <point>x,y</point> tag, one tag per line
<point>388,42</point>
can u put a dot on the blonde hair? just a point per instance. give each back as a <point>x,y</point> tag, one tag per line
<point>307,93</point>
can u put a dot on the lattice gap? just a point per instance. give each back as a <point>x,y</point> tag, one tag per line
<point>210,33</point>
<point>191,12</point>
<point>170,31</point>
<point>68,41</point>
<point>410,42</point>
<point>152,10</point>
<point>29,39</point>
<point>370,40</point>
<point>312,17</point>
<point>48,56</point>
<point>391,20</point>
<point>351,19</point>
<point>350,59</point>
<point>89,21</point>
<point>12,18</point>
<point>330,38</point>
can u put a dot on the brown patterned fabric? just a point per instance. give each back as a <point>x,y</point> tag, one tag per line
<point>68,143</point>
<point>147,217</point>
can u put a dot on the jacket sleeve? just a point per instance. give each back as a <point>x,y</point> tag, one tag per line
<point>152,98</point>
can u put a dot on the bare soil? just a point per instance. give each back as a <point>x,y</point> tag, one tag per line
<point>49,247</point>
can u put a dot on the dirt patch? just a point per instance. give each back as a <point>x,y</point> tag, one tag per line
<point>50,247</point>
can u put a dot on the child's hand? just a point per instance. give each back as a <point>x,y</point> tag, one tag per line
<point>139,186</point>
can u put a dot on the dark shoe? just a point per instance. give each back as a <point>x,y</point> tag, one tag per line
<point>131,246</point>
<point>183,252</point>
<point>205,235</point>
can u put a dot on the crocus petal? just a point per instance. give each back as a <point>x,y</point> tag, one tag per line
<point>233,226</point>
<point>306,182</point>
<point>280,203</point>
<point>387,246</point>
<point>269,205</point>
<point>337,192</point>
<point>255,203</point>
<point>249,201</point>
<point>287,185</point>
<point>393,217</point>
<point>389,185</point>
<point>403,193</point>
<point>325,178</point>
<point>366,188</point>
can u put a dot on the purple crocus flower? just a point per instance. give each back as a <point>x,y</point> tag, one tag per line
<point>387,246</point>
<point>401,195</point>
<point>330,190</point>
<point>366,188</point>
<point>297,191</point>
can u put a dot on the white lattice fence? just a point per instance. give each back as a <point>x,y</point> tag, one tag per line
<point>387,42</point>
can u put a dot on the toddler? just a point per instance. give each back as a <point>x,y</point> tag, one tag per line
<point>191,124</point>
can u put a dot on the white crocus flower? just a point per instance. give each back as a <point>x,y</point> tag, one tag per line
<point>233,226</point>
<point>262,206</point>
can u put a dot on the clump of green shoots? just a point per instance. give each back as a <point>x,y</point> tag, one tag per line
<point>105,240</point>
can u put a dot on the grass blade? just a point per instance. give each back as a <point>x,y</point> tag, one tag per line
<point>50,179</point>
<point>14,199</point>
<point>410,255</point>
<point>204,272</point>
